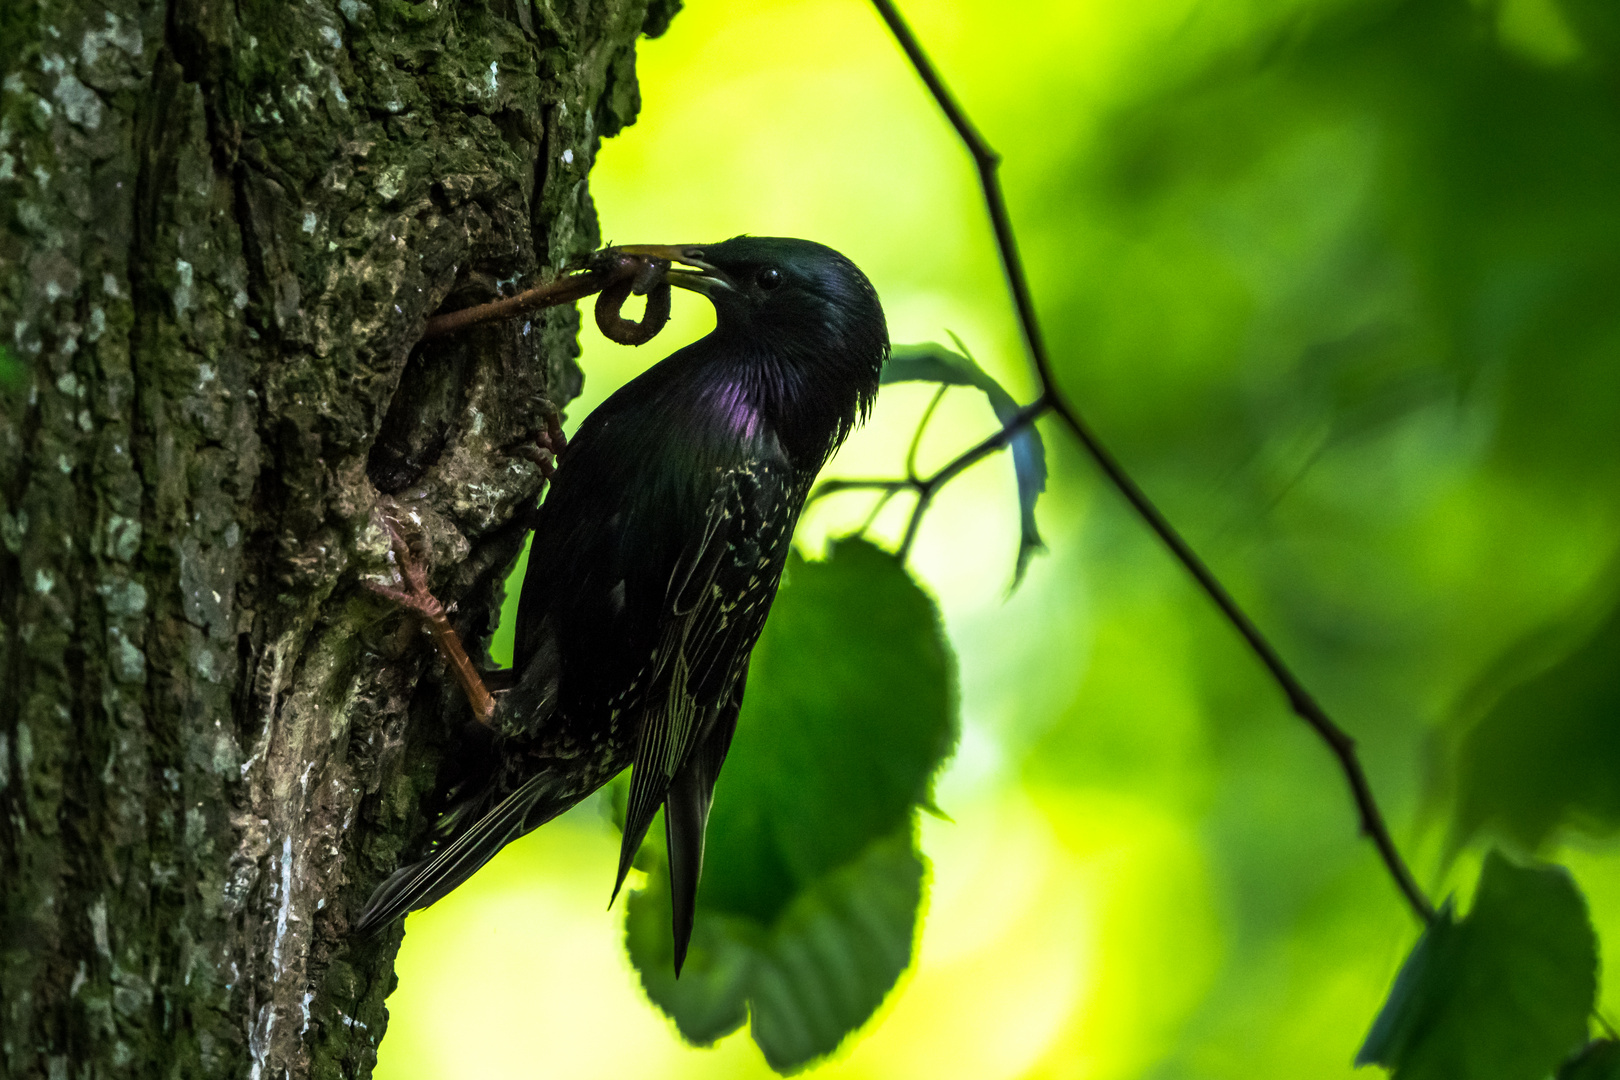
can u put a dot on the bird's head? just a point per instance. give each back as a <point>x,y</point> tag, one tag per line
<point>781,290</point>
<point>802,318</point>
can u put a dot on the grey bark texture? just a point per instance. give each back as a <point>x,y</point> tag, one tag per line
<point>222,227</point>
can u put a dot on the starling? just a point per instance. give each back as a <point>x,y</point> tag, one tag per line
<point>656,555</point>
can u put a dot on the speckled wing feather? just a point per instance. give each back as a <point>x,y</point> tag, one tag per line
<point>715,604</point>
<point>453,861</point>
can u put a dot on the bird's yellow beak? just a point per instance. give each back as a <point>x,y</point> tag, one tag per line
<point>706,279</point>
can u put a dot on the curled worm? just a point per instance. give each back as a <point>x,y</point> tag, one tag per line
<point>625,331</point>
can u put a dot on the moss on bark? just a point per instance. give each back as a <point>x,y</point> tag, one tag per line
<point>222,226</point>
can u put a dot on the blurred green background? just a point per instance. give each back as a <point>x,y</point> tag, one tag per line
<point>1340,282</point>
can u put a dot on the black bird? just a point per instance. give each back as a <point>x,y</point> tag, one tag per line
<point>656,555</point>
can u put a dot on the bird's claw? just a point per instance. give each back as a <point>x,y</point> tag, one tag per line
<point>552,441</point>
<point>548,445</point>
<point>411,592</point>
<point>410,572</point>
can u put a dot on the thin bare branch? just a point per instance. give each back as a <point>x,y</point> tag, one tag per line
<point>563,290</point>
<point>1304,705</point>
<point>922,426</point>
<point>613,272</point>
<point>835,486</point>
<point>990,444</point>
<point>877,508</point>
<point>913,523</point>
<point>927,488</point>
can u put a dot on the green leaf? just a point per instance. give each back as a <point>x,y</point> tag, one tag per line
<point>1501,995</point>
<point>811,879</point>
<point>851,707</point>
<point>935,363</point>
<point>817,974</point>
<point>12,372</point>
<point>1392,1030</point>
<point>710,999</point>
<point>1598,1061</point>
<point>836,953</point>
<point>1548,753</point>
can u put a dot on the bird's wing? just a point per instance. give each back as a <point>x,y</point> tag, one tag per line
<point>459,855</point>
<point>715,605</point>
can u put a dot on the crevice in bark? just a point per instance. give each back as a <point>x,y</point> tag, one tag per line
<point>218,741</point>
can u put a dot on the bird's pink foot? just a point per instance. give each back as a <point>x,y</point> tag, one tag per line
<point>411,592</point>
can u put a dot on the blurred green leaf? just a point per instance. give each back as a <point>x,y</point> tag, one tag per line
<point>817,974</point>
<point>1548,753</point>
<point>710,999</point>
<point>851,708</point>
<point>935,363</point>
<point>1354,208</point>
<point>1501,995</point>
<point>811,879</point>
<point>12,372</point>
<point>1599,1061</point>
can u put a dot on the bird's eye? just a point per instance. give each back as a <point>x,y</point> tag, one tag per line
<point>769,278</point>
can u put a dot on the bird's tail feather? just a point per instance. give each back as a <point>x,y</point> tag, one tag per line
<point>455,860</point>
<point>686,820</point>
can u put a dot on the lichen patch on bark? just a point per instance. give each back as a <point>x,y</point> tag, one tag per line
<point>222,227</point>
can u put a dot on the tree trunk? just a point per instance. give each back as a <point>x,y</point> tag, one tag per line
<point>222,227</point>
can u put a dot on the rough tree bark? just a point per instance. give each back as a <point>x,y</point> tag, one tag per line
<point>222,226</point>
